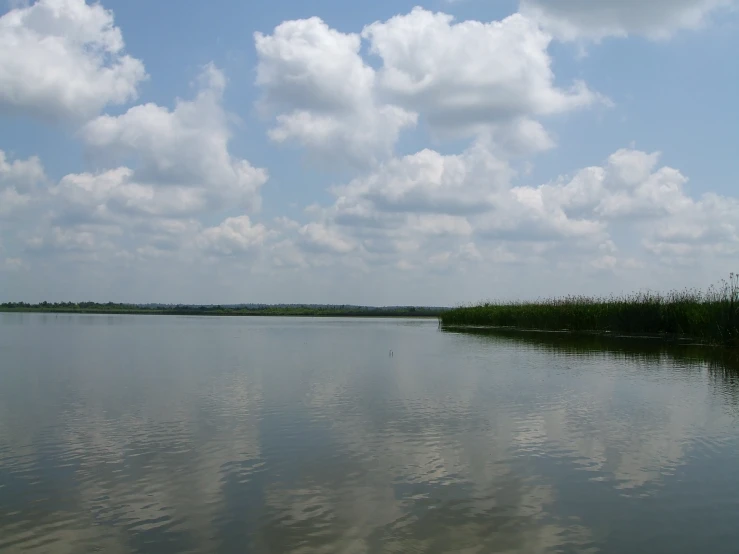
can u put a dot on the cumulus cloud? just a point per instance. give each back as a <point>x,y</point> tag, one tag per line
<point>523,215</point>
<point>467,78</point>
<point>18,182</point>
<point>316,80</point>
<point>463,75</point>
<point>591,19</point>
<point>628,186</point>
<point>475,186</point>
<point>163,182</point>
<point>184,151</point>
<point>436,211</point>
<point>101,195</point>
<point>180,164</point>
<point>234,235</point>
<point>709,225</point>
<point>72,239</point>
<point>427,182</point>
<point>64,59</point>
<point>163,171</point>
<point>316,236</point>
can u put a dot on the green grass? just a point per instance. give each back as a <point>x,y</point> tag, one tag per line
<point>710,317</point>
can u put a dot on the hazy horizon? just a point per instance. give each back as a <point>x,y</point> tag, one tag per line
<point>223,304</point>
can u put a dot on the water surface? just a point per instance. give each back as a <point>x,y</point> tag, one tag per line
<point>150,434</point>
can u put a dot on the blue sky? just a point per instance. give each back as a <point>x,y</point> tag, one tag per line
<point>380,153</point>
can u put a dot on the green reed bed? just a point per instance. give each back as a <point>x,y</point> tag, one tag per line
<point>705,316</point>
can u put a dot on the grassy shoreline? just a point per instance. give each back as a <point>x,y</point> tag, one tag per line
<point>710,317</point>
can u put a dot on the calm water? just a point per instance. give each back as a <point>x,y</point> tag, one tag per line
<point>166,434</point>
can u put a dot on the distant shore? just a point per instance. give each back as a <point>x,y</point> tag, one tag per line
<point>220,310</point>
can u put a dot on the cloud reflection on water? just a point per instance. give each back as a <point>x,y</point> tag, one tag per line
<point>181,435</point>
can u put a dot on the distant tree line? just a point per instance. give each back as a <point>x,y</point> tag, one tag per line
<point>315,310</point>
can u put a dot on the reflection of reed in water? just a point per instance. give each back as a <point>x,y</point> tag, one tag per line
<point>723,373</point>
<point>722,364</point>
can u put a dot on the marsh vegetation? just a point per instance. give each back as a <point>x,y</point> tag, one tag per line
<point>710,316</point>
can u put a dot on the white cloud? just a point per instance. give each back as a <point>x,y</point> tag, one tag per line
<point>707,226</point>
<point>180,164</point>
<point>463,75</point>
<point>596,19</point>
<point>164,184</point>
<point>441,212</point>
<point>469,78</point>
<point>318,237</point>
<point>661,192</point>
<point>18,182</point>
<point>439,225</point>
<point>427,182</point>
<point>168,169</point>
<point>234,235</point>
<point>629,185</point>
<point>116,191</point>
<point>14,264</point>
<point>568,226</point>
<point>630,188</point>
<point>469,193</point>
<point>90,241</point>
<point>323,91</point>
<point>11,201</point>
<point>524,215</point>
<point>64,59</point>
<point>185,148</point>
<point>318,82</point>
<point>23,175</point>
<point>286,255</point>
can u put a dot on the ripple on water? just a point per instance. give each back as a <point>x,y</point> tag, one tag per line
<point>225,441</point>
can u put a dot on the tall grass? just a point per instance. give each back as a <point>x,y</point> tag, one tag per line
<point>710,316</point>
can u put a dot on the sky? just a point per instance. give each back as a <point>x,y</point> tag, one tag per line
<point>377,153</point>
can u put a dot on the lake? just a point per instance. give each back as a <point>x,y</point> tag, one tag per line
<point>156,434</point>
